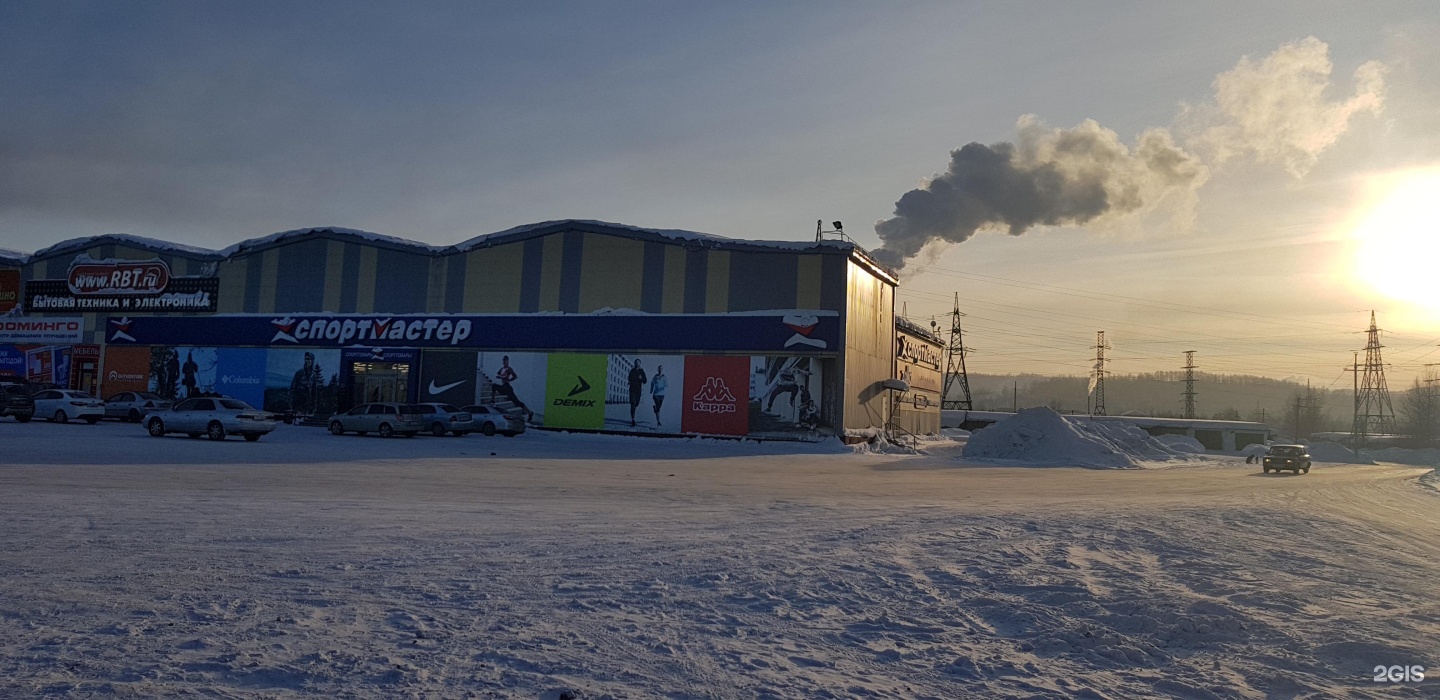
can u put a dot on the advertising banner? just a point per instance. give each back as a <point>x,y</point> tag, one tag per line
<point>448,376</point>
<point>513,381</point>
<point>12,361</point>
<point>182,372</point>
<point>51,330</point>
<point>121,286</point>
<point>48,365</point>
<point>784,396</point>
<point>771,332</point>
<point>575,391</point>
<point>9,290</point>
<point>241,374</point>
<point>639,391</point>
<point>714,399</point>
<point>125,369</point>
<point>306,382</point>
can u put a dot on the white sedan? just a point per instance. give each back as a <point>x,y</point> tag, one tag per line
<point>212,417</point>
<point>60,405</point>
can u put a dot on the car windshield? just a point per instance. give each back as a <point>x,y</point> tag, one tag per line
<point>413,410</point>
<point>1286,451</point>
<point>150,397</point>
<point>78,395</point>
<point>236,404</point>
<point>448,408</point>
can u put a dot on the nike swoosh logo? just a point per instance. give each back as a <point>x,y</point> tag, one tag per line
<point>442,389</point>
<point>580,388</point>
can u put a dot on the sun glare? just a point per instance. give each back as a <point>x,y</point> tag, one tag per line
<point>1399,241</point>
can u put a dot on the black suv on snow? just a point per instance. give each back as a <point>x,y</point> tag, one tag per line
<point>15,400</point>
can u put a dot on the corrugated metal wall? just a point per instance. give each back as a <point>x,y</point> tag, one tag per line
<point>869,349</point>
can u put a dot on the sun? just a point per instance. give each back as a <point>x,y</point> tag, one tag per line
<point>1399,241</point>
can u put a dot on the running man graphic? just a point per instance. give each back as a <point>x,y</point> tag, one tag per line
<point>506,374</point>
<point>637,381</point>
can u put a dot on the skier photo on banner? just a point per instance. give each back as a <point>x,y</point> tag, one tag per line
<point>783,395</point>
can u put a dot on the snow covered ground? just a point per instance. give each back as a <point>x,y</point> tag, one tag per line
<point>308,565</point>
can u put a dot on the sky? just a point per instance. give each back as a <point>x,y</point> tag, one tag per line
<point>209,123</point>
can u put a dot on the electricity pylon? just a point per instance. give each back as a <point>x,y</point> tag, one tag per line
<point>955,365</point>
<point>1189,384</point>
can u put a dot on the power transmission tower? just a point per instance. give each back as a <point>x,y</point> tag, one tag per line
<point>1097,380</point>
<point>955,366</point>
<point>1189,384</point>
<point>1374,415</point>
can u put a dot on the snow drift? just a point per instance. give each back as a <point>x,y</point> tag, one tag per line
<point>1043,438</point>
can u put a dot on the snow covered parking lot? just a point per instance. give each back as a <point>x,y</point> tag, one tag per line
<point>320,566</point>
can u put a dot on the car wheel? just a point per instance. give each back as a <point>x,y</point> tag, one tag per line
<point>336,428</point>
<point>1267,470</point>
<point>134,416</point>
<point>60,416</point>
<point>488,429</point>
<point>252,437</point>
<point>1307,470</point>
<point>438,430</point>
<point>156,428</point>
<point>92,420</point>
<point>386,431</point>
<point>215,431</point>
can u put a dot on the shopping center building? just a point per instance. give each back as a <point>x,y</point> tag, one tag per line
<point>585,325</point>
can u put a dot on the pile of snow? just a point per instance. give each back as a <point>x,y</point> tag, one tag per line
<point>1334,452</point>
<point>1182,443</point>
<point>1423,457</point>
<point>1042,437</point>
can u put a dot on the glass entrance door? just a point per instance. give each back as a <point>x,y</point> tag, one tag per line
<point>381,381</point>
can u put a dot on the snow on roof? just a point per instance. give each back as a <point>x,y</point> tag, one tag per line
<point>372,237</point>
<point>125,239</point>
<point>608,227</point>
<point>12,257</point>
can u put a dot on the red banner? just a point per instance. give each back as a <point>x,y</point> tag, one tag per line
<point>9,290</point>
<point>717,395</point>
<point>125,369</point>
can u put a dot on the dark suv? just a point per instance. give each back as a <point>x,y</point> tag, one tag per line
<point>15,401</point>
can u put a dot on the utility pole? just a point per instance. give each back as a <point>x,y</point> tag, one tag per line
<point>1301,402</point>
<point>1374,414</point>
<point>1097,380</point>
<point>955,376</point>
<point>1189,384</point>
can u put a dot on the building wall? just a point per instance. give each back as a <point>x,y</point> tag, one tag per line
<point>869,354</point>
<point>917,411</point>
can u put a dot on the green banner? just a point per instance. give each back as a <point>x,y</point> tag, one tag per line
<point>575,391</point>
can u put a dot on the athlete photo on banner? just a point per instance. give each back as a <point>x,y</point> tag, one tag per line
<point>303,382</point>
<point>642,392</point>
<point>182,372</point>
<point>784,395</point>
<point>513,382</point>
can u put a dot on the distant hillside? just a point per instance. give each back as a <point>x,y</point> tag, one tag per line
<point>1217,396</point>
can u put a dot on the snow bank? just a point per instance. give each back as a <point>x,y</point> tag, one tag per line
<point>1042,437</point>
<point>1334,452</point>
<point>1424,457</point>
<point>1183,443</point>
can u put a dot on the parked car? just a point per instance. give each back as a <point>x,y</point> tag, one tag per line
<point>1293,458</point>
<point>15,401</point>
<point>131,406</point>
<point>60,405</point>
<point>490,420</point>
<point>213,417</point>
<point>442,418</point>
<point>387,419</point>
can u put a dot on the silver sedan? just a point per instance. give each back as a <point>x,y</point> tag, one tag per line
<point>442,418</point>
<point>212,417</point>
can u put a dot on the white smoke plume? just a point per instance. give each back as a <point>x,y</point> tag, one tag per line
<point>1270,111</point>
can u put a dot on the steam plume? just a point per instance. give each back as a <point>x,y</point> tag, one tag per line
<point>1270,111</point>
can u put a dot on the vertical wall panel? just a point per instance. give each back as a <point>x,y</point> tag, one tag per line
<point>402,282</point>
<point>350,278</point>
<point>572,262</point>
<point>696,271</point>
<point>760,281</point>
<point>614,269</point>
<point>673,301</point>
<point>232,286</point>
<point>269,277</point>
<point>254,264</point>
<point>530,273</point>
<point>717,282</point>
<point>365,283</point>
<point>652,283</point>
<point>807,282</point>
<point>435,292</point>
<point>454,283</point>
<point>493,279</point>
<point>834,281</point>
<point>551,266</point>
<point>299,277</point>
<point>334,274</point>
